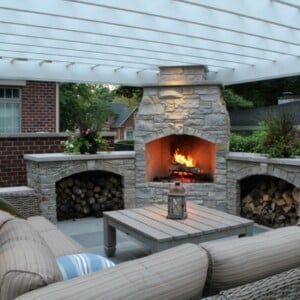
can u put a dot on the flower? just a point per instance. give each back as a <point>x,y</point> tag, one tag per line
<point>89,134</point>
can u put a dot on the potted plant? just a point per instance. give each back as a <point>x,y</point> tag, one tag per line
<point>88,141</point>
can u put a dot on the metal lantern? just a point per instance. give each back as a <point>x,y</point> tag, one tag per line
<point>177,202</point>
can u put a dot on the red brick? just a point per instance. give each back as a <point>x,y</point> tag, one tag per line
<point>12,164</point>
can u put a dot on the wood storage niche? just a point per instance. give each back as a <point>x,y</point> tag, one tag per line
<point>269,201</point>
<point>88,194</point>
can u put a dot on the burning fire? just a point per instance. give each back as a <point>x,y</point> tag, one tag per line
<point>182,159</point>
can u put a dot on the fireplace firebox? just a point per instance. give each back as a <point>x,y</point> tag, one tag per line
<point>183,158</point>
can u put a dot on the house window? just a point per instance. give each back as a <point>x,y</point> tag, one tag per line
<point>10,110</point>
<point>129,134</point>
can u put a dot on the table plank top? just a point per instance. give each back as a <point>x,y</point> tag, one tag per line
<point>152,221</point>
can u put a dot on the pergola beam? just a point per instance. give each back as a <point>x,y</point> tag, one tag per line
<point>224,28</point>
<point>121,38</point>
<point>59,72</point>
<point>282,68</point>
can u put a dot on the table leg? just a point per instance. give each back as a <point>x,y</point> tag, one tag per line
<point>249,231</point>
<point>109,238</point>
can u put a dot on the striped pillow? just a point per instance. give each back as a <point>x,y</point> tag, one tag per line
<point>75,265</point>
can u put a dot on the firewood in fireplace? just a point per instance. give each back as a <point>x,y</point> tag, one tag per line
<point>177,168</point>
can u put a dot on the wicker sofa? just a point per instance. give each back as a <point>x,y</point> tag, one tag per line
<point>266,266</point>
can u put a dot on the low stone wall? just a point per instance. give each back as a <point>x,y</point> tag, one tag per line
<point>242,165</point>
<point>23,198</point>
<point>44,170</point>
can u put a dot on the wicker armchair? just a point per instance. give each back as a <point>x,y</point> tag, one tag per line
<point>285,285</point>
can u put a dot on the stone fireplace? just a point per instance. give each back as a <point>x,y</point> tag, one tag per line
<point>184,115</point>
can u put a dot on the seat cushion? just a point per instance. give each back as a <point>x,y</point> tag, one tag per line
<point>58,242</point>
<point>239,261</point>
<point>26,262</point>
<point>75,265</point>
<point>4,217</point>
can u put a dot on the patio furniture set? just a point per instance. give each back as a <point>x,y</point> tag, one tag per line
<point>265,266</point>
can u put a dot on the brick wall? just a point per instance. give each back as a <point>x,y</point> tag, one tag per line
<point>39,107</point>
<point>12,150</point>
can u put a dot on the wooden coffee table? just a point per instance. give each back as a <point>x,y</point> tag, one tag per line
<point>150,226</point>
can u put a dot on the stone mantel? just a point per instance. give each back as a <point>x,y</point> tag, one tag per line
<point>53,157</point>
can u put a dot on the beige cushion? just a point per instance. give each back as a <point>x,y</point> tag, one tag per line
<point>176,273</point>
<point>26,263</point>
<point>4,217</point>
<point>239,261</point>
<point>59,243</point>
<point>6,206</point>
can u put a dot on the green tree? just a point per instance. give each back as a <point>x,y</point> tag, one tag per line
<point>131,96</point>
<point>84,106</point>
<point>234,101</point>
<point>129,92</point>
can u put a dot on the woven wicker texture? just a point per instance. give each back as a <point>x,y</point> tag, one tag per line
<point>285,286</point>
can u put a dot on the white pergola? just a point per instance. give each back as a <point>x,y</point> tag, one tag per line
<point>125,42</point>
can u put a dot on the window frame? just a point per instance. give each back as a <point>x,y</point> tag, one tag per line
<point>129,129</point>
<point>14,100</point>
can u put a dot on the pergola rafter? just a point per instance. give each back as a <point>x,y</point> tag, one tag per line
<point>238,41</point>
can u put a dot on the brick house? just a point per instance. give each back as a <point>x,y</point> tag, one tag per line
<point>29,123</point>
<point>122,123</point>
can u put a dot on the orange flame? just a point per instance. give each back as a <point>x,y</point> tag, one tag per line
<point>183,160</point>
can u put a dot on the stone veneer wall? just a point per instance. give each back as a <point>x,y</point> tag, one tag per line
<point>183,103</point>
<point>242,165</point>
<point>44,170</point>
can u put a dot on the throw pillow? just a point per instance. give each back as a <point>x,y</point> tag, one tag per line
<point>75,265</point>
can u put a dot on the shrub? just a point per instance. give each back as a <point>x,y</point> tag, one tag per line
<point>243,143</point>
<point>125,145</point>
<point>277,137</point>
<point>234,101</point>
<point>295,142</point>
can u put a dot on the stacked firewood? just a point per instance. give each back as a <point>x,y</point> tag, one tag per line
<point>88,194</point>
<point>273,205</point>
